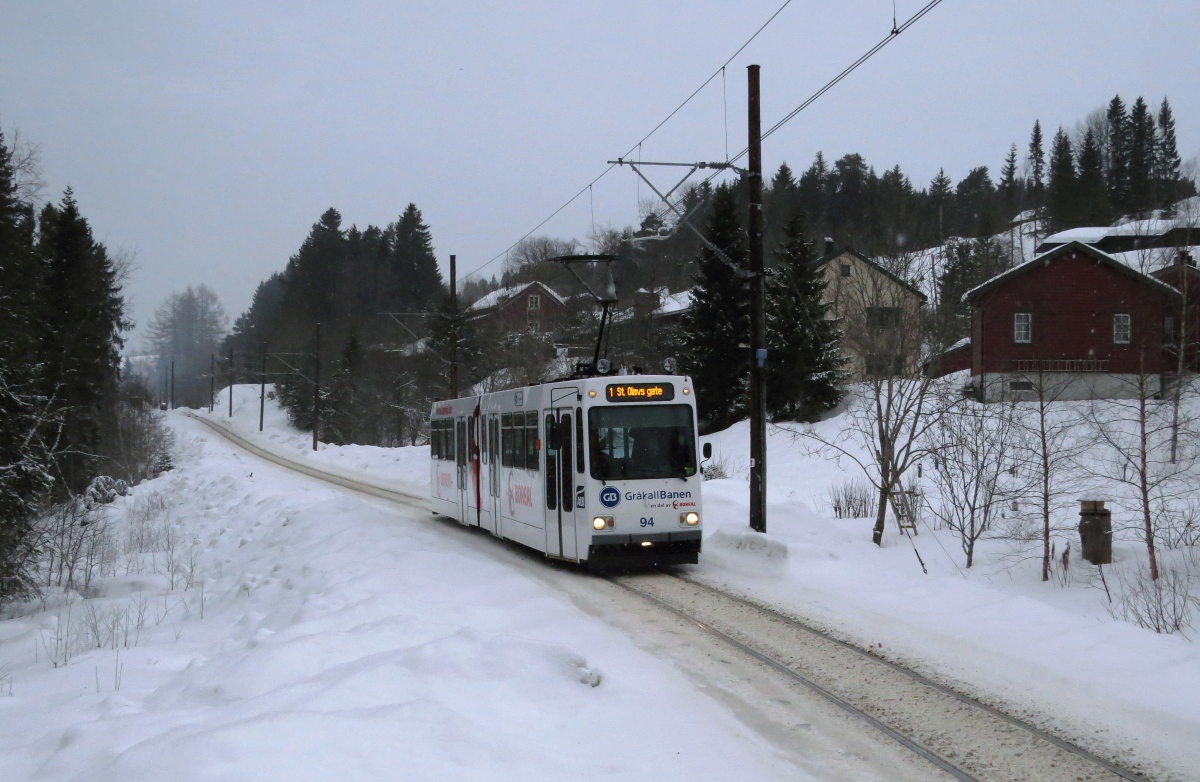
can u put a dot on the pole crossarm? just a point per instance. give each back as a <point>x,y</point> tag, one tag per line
<point>610,295</point>
<point>682,217</point>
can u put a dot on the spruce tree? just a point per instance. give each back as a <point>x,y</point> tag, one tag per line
<point>1166,158</point>
<point>24,459</point>
<point>1036,161</point>
<point>803,372</point>
<point>940,195</point>
<point>1092,202</point>
<point>1062,186</point>
<point>1117,169</point>
<point>715,331</point>
<point>345,407</point>
<point>975,207</point>
<point>84,317</point>
<point>1008,187</point>
<point>1143,143</point>
<point>414,263</point>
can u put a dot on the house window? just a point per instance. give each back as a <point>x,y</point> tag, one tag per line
<point>845,270</point>
<point>1169,330</point>
<point>1020,385</point>
<point>1122,328</point>
<point>535,301</point>
<point>1022,327</point>
<point>883,317</point>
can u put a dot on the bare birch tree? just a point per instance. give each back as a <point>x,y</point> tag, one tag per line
<point>971,443</point>
<point>1044,447</point>
<point>893,355</point>
<point>1134,436</point>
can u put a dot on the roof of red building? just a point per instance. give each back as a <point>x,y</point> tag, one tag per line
<point>1060,251</point>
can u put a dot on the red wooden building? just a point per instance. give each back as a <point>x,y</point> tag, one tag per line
<point>1074,320</point>
<point>529,307</point>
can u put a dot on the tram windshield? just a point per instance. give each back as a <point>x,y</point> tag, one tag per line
<point>642,442</point>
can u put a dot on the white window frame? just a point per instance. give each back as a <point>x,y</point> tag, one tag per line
<point>1122,328</point>
<point>535,302</point>
<point>1022,328</point>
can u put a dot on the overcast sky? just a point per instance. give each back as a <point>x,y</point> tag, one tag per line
<point>206,138</point>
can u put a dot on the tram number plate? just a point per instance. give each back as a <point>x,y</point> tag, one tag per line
<point>647,522</point>
<point>639,392</point>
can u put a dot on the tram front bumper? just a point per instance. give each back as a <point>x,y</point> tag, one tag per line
<point>644,550</point>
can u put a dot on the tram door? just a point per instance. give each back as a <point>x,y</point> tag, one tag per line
<point>560,480</point>
<point>493,470</point>
<point>474,473</point>
<point>460,464</point>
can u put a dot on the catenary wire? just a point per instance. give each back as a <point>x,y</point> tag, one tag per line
<point>718,72</point>
<point>891,36</point>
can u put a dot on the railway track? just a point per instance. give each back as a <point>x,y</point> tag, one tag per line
<point>960,736</point>
<point>966,739</point>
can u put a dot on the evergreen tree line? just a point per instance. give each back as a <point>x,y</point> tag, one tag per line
<point>803,373</point>
<point>344,278</point>
<point>61,320</point>
<point>370,291</point>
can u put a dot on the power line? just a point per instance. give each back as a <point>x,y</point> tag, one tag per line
<point>718,72</point>
<point>891,36</point>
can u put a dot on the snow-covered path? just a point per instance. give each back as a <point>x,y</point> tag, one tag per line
<point>327,636</point>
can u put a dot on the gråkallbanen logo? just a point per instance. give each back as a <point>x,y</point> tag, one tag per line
<point>610,497</point>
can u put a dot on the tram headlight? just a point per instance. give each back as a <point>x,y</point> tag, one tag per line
<point>689,519</point>
<point>601,523</point>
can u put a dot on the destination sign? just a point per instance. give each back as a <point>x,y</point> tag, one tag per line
<point>639,392</point>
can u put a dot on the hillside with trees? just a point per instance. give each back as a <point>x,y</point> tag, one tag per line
<point>71,432</point>
<point>386,321</point>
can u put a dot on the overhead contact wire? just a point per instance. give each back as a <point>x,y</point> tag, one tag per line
<point>654,130</point>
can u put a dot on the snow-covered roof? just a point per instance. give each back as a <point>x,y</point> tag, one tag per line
<point>962,343</point>
<point>1086,235</point>
<point>1062,249</point>
<point>498,297</point>
<point>674,302</point>
<point>1154,258</point>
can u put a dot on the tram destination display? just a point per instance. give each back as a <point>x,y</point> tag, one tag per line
<point>639,392</point>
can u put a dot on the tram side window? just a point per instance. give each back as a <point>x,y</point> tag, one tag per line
<point>437,430</point>
<point>506,440</point>
<point>519,441</point>
<point>579,439</point>
<point>531,441</point>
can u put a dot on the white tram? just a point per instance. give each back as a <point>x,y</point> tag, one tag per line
<point>602,470</point>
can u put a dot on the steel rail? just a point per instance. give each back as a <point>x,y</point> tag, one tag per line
<point>903,740</point>
<point>799,624</point>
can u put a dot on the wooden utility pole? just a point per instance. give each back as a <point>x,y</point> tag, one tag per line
<point>453,330</point>
<point>172,384</point>
<point>212,382</point>
<point>231,380</point>
<point>262,389</point>
<point>317,392</point>
<point>758,320</point>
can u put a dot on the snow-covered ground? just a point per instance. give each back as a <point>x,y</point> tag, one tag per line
<point>995,630</point>
<point>313,635</point>
<point>325,635</point>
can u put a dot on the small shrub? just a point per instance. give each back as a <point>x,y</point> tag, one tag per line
<point>717,468</point>
<point>1164,606</point>
<point>853,499</point>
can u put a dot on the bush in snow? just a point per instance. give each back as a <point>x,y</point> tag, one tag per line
<point>851,499</point>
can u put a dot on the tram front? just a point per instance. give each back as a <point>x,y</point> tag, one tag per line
<point>643,499</point>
